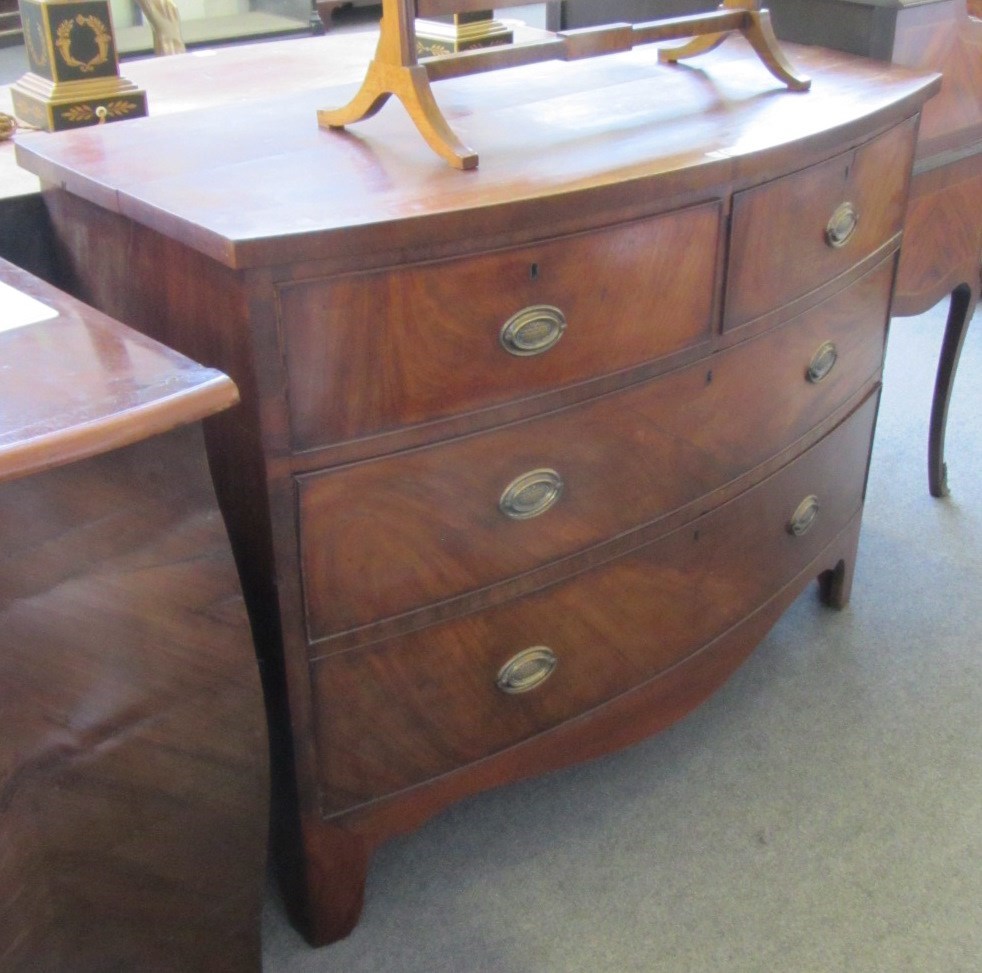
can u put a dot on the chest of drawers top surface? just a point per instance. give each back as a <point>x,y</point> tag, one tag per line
<point>264,186</point>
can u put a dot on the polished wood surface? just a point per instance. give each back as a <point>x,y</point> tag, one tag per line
<point>206,179</point>
<point>944,227</point>
<point>133,758</point>
<point>940,36</point>
<point>271,257</point>
<point>85,384</point>
<point>648,708</point>
<point>184,83</point>
<point>942,252</point>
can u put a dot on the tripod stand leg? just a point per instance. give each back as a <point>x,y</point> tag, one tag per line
<point>759,33</point>
<point>695,47</point>
<point>417,95</point>
<point>762,39</point>
<point>370,98</point>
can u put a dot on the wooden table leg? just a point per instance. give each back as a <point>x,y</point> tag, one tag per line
<point>963,301</point>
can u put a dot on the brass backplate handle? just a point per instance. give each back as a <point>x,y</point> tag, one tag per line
<point>527,671</point>
<point>804,517</point>
<point>533,331</point>
<point>841,226</point>
<point>531,494</point>
<point>822,363</point>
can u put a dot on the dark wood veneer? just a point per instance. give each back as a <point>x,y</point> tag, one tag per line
<point>941,256</point>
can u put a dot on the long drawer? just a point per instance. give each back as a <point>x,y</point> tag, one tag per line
<point>837,213</point>
<point>394,714</point>
<point>366,353</point>
<point>383,537</point>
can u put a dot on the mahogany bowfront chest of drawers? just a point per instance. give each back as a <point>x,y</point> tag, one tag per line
<point>530,458</point>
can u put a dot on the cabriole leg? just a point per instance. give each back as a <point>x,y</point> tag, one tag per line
<point>963,301</point>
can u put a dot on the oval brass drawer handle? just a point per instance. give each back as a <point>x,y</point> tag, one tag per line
<point>527,671</point>
<point>531,494</point>
<point>804,517</point>
<point>841,226</point>
<point>822,363</point>
<point>533,331</point>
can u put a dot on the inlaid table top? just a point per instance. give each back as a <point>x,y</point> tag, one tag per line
<point>75,383</point>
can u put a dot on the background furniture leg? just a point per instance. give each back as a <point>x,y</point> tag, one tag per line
<point>963,301</point>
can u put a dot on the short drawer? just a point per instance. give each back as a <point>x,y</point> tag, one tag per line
<point>383,537</point>
<point>792,235</point>
<point>397,713</point>
<point>367,353</point>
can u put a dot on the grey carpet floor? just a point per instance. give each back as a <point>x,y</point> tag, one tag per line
<point>821,814</point>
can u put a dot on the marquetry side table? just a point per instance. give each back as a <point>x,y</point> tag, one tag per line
<point>133,754</point>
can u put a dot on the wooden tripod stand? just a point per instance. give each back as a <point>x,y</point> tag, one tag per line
<point>397,70</point>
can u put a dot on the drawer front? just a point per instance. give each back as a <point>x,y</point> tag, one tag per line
<point>384,537</point>
<point>374,352</point>
<point>400,712</point>
<point>792,235</point>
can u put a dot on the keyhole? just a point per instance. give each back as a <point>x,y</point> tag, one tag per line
<point>534,272</point>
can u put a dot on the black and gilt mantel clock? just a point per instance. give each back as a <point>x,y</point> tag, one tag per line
<point>74,68</point>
